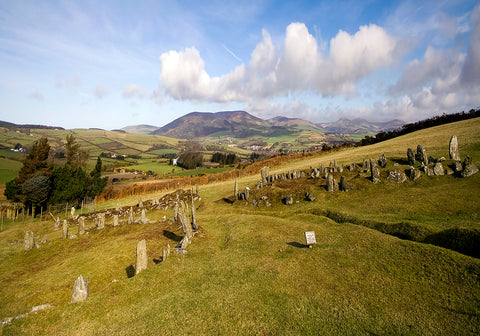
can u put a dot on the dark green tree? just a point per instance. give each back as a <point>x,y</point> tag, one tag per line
<point>36,191</point>
<point>75,156</point>
<point>69,185</point>
<point>96,183</point>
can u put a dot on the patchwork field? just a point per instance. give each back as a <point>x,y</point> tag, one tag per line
<point>248,270</point>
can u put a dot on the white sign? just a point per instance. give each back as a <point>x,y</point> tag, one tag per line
<point>310,237</point>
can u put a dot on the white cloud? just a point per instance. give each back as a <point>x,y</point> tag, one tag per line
<point>133,91</point>
<point>100,91</point>
<point>301,67</point>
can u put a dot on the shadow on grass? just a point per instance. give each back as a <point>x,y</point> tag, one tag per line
<point>130,270</point>
<point>400,161</point>
<point>157,261</point>
<point>297,245</point>
<point>172,236</point>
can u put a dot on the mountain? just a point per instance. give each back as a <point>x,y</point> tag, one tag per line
<point>140,129</point>
<point>360,126</point>
<point>238,124</point>
<point>290,122</point>
<point>13,126</point>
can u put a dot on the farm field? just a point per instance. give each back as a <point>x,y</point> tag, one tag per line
<point>248,270</point>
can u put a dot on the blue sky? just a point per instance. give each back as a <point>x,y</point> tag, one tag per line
<point>109,64</point>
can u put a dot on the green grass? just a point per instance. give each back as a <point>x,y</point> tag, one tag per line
<point>200,171</point>
<point>164,151</point>
<point>9,169</point>
<point>248,270</point>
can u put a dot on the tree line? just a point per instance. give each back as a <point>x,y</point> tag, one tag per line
<point>419,125</point>
<point>40,182</point>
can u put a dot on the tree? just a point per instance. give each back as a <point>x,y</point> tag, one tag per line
<point>69,185</point>
<point>96,183</point>
<point>36,190</point>
<point>74,155</point>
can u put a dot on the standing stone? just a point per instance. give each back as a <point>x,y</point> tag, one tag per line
<point>29,241</point>
<point>100,221</point>
<point>421,155</point>
<point>72,212</point>
<point>331,183</point>
<point>65,229</point>
<point>141,259</point>
<point>131,216</point>
<point>382,162</point>
<point>414,174</point>
<point>235,190</point>
<point>115,220</point>
<point>140,203</point>
<point>410,157</point>
<point>57,221</point>
<point>458,166</point>
<point>375,172</point>
<point>193,213</point>
<point>344,186</point>
<point>264,174</point>
<point>438,169</point>
<point>80,290</point>
<point>117,207</point>
<point>453,148</point>
<point>468,167</point>
<point>247,192</point>
<point>164,254</point>
<point>309,197</point>
<point>81,225</point>
<point>366,166</point>
<point>143,219</point>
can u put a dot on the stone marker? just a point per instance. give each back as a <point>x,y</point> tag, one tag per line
<point>80,290</point>
<point>164,254</point>
<point>57,222</point>
<point>453,148</point>
<point>468,167</point>
<point>100,221</point>
<point>131,216</point>
<point>382,162</point>
<point>72,212</point>
<point>287,200</point>
<point>310,238</point>
<point>375,172</point>
<point>264,174</point>
<point>141,259</point>
<point>421,155</point>
<point>143,218</point>
<point>410,157</point>
<point>117,207</point>
<point>331,183</point>
<point>29,241</point>
<point>65,229</point>
<point>414,174</point>
<point>115,220</point>
<point>309,197</point>
<point>81,225</point>
<point>343,185</point>
<point>438,169</point>
<point>140,203</point>
<point>235,190</point>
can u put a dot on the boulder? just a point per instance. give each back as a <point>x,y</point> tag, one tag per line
<point>382,162</point>
<point>343,185</point>
<point>438,169</point>
<point>29,241</point>
<point>421,155</point>
<point>374,171</point>
<point>414,174</point>
<point>141,257</point>
<point>287,200</point>
<point>396,176</point>
<point>410,157</point>
<point>80,290</point>
<point>309,197</point>
<point>469,168</point>
<point>331,183</point>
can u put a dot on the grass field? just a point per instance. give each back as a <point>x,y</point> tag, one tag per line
<point>8,169</point>
<point>248,270</point>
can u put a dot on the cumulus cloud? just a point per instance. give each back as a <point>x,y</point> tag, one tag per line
<point>100,91</point>
<point>300,67</point>
<point>133,91</point>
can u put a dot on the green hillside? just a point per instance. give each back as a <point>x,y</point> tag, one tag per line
<point>248,270</point>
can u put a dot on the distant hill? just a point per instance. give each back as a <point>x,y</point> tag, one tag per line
<point>290,122</point>
<point>140,129</point>
<point>13,126</point>
<point>201,124</point>
<point>360,126</point>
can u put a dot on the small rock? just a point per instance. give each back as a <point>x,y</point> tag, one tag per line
<point>309,197</point>
<point>287,200</point>
<point>80,290</point>
<point>438,169</point>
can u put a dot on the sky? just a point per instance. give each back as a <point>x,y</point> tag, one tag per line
<point>109,64</point>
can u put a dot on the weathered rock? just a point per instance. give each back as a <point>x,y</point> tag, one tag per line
<point>72,212</point>
<point>141,258</point>
<point>469,168</point>
<point>331,183</point>
<point>410,157</point>
<point>382,162</point>
<point>438,169</point>
<point>287,200</point>
<point>247,192</point>
<point>264,174</point>
<point>131,216</point>
<point>117,207</point>
<point>254,203</point>
<point>366,166</point>
<point>396,176</point>
<point>80,290</point>
<point>164,254</point>
<point>453,148</point>
<point>421,155</point>
<point>414,174</point>
<point>343,185</point>
<point>458,166</point>
<point>352,167</point>
<point>81,225</point>
<point>115,220</point>
<point>309,197</point>
<point>57,224</point>
<point>428,170</point>
<point>143,218</point>
<point>100,221</point>
<point>374,172</point>
<point>140,203</point>
<point>29,241</point>
<point>64,229</point>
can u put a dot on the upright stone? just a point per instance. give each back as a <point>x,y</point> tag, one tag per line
<point>264,174</point>
<point>131,216</point>
<point>344,186</point>
<point>414,174</point>
<point>80,290</point>
<point>140,203</point>
<point>410,157</point>
<point>64,229</point>
<point>141,259</point>
<point>100,221</point>
<point>469,168</point>
<point>117,207</point>
<point>81,225</point>
<point>438,169</point>
<point>193,213</point>
<point>382,162</point>
<point>421,155</point>
<point>235,190</point>
<point>72,212</point>
<point>375,172</point>
<point>143,219</point>
<point>331,183</point>
<point>115,220</point>
<point>164,254</point>
<point>29,241</point>
<point>453,148</point>
<point>247,193</point>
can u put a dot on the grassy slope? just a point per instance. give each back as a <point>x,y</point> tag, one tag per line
<point>248,273</point>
